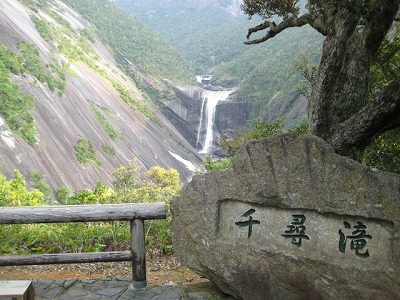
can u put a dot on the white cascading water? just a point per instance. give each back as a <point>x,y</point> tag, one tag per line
<point>211,99</point>
<point>203,99</point>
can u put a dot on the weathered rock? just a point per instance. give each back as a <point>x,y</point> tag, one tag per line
<point>292,220</point>
<point>230,116</point>
<point>291,108</point>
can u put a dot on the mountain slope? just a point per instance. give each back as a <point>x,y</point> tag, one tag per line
<point>212,39</point>
<point>128,37</point>
<point>266,70</point>
<point>207,32</point>
<point>99,104</point>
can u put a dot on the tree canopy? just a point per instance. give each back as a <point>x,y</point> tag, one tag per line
<point>354,96</point>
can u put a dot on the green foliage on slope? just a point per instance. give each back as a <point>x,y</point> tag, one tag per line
<point>206,37</point>
<point>77,47</point>
<point>15,106</point>
<point>51,74</point>
<point>109,129</point>
<point>85,152</point>
<point>267,69</point>
<point>44,28</point>
<point>147,50</point>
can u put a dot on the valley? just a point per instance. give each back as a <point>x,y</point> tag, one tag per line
<point>128,94</point>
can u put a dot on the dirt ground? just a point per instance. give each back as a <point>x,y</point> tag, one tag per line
<point>165,270</point>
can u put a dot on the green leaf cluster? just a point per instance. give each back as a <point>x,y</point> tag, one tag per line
<point>85,152</point>
<point>109,150</point>
<point>38,181</point>
<point>384,152</point>
<point>160,184</point>
<point>386,65</point>
<point>14,192</point>
<point>217,164</point>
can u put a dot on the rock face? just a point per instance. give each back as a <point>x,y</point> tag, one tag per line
<point>292,220</point>
<point>289,107</point>
<point>230,116</point>
<point>62,120</point>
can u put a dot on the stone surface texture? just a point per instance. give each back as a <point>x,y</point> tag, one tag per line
<point>117,288</point>
<point>346,217</point>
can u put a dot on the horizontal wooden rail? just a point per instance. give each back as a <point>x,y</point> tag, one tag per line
<point>136,213</point>
<point>65,258</point>
<point>81,213</point>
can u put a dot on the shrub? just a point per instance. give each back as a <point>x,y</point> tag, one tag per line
<point>256,131</point>
<point>384,152</point>
<point>38,181</point>
<point>109,150</point>
<point>110,130</point>
<point>217,164</point>
<point>83,237</point>
<point>85,152</point>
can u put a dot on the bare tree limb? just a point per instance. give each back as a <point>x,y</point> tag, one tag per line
<point>274,28</point>
<point>382,112</point>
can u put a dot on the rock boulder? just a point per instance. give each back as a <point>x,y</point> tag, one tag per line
<point>292,220</point>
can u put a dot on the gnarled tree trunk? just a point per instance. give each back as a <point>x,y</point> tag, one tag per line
<point>340,96</point>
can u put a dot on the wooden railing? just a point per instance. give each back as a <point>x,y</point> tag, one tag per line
<point>135,213</point>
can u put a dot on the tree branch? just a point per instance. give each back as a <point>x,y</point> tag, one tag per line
<point>382,112</point>
<point>274,28</point>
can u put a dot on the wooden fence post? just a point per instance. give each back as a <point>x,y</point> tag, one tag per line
<point>136,213</point>
<point>138,254</point>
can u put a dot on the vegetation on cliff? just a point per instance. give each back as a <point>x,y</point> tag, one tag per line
<point>15,105</point>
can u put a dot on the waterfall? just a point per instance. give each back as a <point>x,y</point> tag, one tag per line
<point>201,120</point>
<point>211,99</point>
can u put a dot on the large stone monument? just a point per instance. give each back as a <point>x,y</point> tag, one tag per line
<point>292,220</point>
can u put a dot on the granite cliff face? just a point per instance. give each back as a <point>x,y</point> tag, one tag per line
<point>63,120</point>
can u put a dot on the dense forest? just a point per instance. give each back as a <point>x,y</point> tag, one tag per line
<point>129,38</point>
